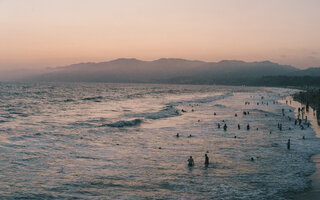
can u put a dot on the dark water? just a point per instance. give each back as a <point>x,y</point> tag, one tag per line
<point>117,141</point>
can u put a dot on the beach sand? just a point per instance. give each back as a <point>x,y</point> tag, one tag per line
<point>314,193</point>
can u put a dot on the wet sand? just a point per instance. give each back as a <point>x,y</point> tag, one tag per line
<point>314,193</point>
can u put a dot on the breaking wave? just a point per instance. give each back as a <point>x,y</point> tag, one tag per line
<point>120,124</point>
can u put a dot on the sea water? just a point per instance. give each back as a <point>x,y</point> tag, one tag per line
<point>118,141</point>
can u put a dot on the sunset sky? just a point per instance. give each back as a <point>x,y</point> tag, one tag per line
<point>44,33</point>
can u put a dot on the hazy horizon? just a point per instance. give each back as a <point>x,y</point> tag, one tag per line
<point>38,34</point>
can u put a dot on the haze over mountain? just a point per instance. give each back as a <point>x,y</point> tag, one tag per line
<point>170,70</point>
<point>163,70</point>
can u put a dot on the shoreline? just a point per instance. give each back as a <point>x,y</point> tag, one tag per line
<point>312,193</point>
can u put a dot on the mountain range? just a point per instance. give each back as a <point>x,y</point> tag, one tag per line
<point>173,70</point>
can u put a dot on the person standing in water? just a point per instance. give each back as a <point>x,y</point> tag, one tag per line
<point>206,162</point>
<point>190,162</point>
<point>225,127</point>
<point>288,144</point>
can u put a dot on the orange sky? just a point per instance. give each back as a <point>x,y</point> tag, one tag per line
<point>42,33</point>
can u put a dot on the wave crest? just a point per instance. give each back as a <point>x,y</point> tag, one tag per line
<point>120,124</point>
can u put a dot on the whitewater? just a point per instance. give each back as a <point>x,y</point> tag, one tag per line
<point>118,141</point>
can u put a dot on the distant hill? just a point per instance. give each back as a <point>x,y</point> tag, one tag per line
<point>307,72</point>
<point>168,70</point>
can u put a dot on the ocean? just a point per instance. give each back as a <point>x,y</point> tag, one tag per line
<point>118,141</point>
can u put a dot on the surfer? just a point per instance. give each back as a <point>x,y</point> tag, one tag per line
<point>190,162</point>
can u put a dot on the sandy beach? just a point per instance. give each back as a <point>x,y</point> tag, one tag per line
<point>314,193</point>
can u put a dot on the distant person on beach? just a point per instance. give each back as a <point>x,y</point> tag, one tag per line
<point>225,127</point>
<point>190,162</point>
<point>177,135</point>
<point>288,144</point>
<point>218,125</point>
<point>248,127</point>
<point>239,126</point>
<point>206,162</point>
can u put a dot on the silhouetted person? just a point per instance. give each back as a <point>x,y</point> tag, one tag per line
<point>248,127</point>
<point>206,162</point>
<point>190,162</point>
<point>177,135</point>
<point>239,126</point>
<point>288,144</point>
<point>295,122</point>
<point>303,137</point>
<point>306,119</point>
<point>236,115</point>
<point>225,127</point>
<point>214,113</point>
<point>218,125</point>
